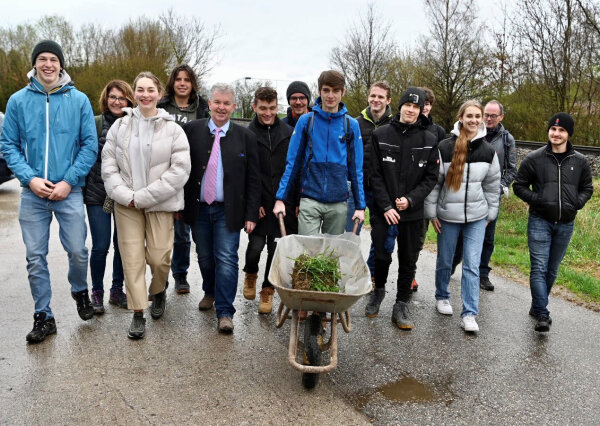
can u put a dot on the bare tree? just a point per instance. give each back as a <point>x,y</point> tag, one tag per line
<point>244,94</point>
<point>191,42</point>
<point>363,56</point>
<point>454,54</point>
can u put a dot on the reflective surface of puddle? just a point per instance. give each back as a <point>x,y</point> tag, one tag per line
<point>407,389</point>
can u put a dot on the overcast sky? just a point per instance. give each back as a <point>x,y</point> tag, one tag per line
<point>278,40</point>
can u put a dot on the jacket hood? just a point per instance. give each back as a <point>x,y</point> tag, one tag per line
<point>481,130</point>
<point>135,112</point>
<point>366,113</point>
<point>64,82</point>
<point>342,110</point>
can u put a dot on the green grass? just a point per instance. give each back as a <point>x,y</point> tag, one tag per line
<point>580,269</point>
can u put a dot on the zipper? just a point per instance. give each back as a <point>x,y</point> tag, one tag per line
<point>559,163</point>
<point>47,135</point>
<point>270,156</point>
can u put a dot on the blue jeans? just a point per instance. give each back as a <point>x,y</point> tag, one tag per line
<point>548,244</point>
<point>180,261</point>
<point>35,215</point>
<point>100,228</point>
<point>473,234</point>
<point>217,249</point>
<point>486,251</point>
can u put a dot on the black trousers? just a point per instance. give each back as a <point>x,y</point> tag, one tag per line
<point>256,244</point>
<point>409,243</point>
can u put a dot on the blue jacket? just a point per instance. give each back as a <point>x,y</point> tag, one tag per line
<point>326,177</point>
<point>52,136</point>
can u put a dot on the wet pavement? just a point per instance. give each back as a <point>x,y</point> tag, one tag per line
<point>183,371</point>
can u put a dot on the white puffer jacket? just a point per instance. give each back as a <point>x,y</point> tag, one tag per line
<point>168,171</point>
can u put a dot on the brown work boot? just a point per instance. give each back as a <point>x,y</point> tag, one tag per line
<point>206,303</point>
<point>250,286</point>
<point>266,300</point>
<point>226,325</point>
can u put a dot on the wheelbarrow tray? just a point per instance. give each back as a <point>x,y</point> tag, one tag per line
<point>355,281</point>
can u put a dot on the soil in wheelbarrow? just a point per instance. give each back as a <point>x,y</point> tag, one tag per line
<point>318,273</point>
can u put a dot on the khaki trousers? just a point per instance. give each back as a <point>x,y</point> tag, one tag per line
<point>144,238</point>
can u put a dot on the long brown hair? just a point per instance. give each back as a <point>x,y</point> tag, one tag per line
<point>459,158</point>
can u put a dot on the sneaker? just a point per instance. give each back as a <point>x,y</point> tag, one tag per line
<point>375,299</point>
<point>444,307</point>
<point>414,286</point>
<point>250,286</point>
<point>42,327</point>
<point>532,313</point>
<point>98,302</point>
<point>117,297</point>
<point>84,306</point>
<point>400,316</point>
<point>226,325</point>
<point>138,326</point>
<point>159,303</point>
<point>181,284</point>
<point>266,300</point>
<point>543,323</point>
<point>469,323</point>
<point>485,284</point>
<point>206,303</point>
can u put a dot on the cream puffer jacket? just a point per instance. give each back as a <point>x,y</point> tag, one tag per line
<point>168,171</point>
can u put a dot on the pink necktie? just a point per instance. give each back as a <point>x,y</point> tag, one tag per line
<point>210,180</point>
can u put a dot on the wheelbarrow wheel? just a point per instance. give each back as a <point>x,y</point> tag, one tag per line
<point>313,332</point>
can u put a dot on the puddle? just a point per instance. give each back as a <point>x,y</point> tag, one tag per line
<point>407,389</point>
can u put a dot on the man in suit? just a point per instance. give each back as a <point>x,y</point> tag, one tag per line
<point>221,197</point>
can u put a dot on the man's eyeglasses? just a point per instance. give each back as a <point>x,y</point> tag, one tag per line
<point>119,99</point>
<point>492,116</point>
<point>297,98</point>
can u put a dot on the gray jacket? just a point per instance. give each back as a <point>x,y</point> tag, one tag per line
<point>504,144</point>
<point>478,196</point>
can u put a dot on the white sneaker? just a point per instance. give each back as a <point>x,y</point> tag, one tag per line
<point>444,307</point>
<point>469,323</point>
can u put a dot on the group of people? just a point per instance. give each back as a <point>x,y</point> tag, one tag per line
<point>166,167</point>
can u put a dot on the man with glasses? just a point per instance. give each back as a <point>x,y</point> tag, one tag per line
<point>298,96</point>
<point>504,144</point>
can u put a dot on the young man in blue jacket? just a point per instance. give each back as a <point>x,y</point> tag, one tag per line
<point>556,182</point>
<point>49,142</point>
<point>326,149</point>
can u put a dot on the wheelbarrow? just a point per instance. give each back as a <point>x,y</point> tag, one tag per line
<point>327,307</point>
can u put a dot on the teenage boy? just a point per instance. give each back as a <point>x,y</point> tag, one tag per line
<point>403,172</point>
<point>273,137</point>
<point>504,144</point>
<point>326,149</point>
<point>556,182</point>
<point>222,196</point>
<point>298,97</point>
<point>185,104</point>
<point>49,141</point>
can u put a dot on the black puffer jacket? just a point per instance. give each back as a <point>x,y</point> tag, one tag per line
<point>94,192</point>
<point>367,125</point>
<point>436,129</point>
<point>404,163</point>
<point>554,190</point>
<point>273,143</point>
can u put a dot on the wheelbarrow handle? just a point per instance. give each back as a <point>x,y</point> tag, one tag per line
<point>355,227</point>
<point>281,224</point>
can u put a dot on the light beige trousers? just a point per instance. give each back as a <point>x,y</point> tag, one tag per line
<point>144,238</point>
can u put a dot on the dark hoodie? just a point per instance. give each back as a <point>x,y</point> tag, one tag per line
<point>404,163</point>
<point>194,111</point>
<point>367,125</point>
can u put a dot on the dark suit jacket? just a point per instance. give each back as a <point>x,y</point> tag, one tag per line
<point>241,176</point>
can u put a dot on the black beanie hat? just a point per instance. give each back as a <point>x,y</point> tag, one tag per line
<point>298,87</point>
<point>564,120</point>
<point>48,46</point>
<point>413,95</point>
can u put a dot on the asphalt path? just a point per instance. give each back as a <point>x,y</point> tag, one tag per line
<point>184,372</point>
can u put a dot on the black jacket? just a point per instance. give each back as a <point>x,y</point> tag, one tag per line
<point>404,163</point>
<point>94,192</point>
<point>273,142</point>
<point>553,190</point>
<point>241,183</point>
<point>367,125</point>
<point>436,129</point>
